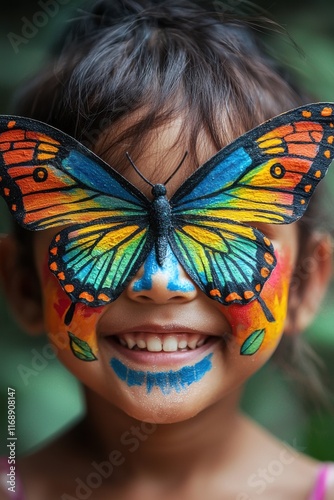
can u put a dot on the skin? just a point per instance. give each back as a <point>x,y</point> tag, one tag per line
<point>205,427</point>
<point>163,306</point>
<point>160,307</point>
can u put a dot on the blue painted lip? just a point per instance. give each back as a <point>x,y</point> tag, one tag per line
<point>166,381</point>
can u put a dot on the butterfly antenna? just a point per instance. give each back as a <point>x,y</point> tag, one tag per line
<point>177,168</point>
<point>137,170</point>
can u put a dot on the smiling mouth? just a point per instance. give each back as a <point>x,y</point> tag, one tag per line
<point>149,342</point>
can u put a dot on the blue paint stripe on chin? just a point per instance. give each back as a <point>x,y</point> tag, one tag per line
<point>166,381</point>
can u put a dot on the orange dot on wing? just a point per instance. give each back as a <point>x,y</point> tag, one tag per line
<point>317,174</point>
<point>268,258</point>
<point>69,288</point>
<point>215,293</point>
<point>53,266</point>
<point>232,296</point>
<point>57,238</point>
<point>6,191</point>
<point>61,276</point>
<point>104,297</point>
<point>306,114</point>
<point>258,287</point>
<point>267,241</point>
<point>326,111</point>
<point>265,272</point>
<point>14,208</point>
<point>248,294</point>
<point>302,202</point>
<point>11,124</point>
<point>327,153</point>
<point>330,139</point>
<point>54,250</point>
<point>307,188</point>
<point>86,296</point>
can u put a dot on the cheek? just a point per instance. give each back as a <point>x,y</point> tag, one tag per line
<point>71,327</point>
<point>251,329</point>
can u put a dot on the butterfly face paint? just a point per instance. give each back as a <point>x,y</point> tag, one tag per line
<point>51,182</point>
<point>167,381</point>
<point>250,329</point>
<point>170,269</point>
<point>78,333</point>
<point>267,175</point>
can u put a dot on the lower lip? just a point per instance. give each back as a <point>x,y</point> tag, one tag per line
<point>161,359</point>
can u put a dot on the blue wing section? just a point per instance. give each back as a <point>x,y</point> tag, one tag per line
<point>207,185</point>
<point>91,172</point>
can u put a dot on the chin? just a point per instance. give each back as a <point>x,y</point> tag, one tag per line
<point>158,408</point>
<point>162,414</point>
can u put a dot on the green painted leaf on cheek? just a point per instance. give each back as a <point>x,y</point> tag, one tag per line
<point>81,349</point>
<point>253,343</point>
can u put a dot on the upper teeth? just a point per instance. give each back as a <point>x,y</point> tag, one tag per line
<point>157,343</point>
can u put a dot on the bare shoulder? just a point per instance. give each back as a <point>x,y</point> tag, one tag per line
<point>3,495</point>
<point>3,488</point>
<point>278,469</point>
<point>330,483</point>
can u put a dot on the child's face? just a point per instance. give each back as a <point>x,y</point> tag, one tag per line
<point>164,351</point>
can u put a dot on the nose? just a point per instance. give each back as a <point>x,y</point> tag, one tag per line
<point>164,284</point>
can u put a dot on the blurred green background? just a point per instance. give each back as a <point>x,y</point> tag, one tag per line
<point>48,398</point>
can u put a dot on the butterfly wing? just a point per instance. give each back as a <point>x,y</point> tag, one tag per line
<point>94,262</point>
<point>230,262</point>
<point>48,179</point>
<point>266,176</point>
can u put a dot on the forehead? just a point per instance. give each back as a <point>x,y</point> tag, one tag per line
<point>156,155</point>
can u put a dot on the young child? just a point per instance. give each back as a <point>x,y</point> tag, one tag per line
<point>163,326</point>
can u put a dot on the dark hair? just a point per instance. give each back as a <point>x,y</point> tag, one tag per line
<point>162,59</point>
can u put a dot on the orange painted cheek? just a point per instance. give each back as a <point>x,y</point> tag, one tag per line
<point>250,327</point>
<point>83,319</point>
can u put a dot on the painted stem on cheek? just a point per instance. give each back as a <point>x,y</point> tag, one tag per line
<point>252,331</point>
<point>266,310</point>
<point>166,381</point>
<point>69,314</point>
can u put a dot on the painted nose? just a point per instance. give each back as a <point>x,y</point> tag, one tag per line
<point>161,284</point>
